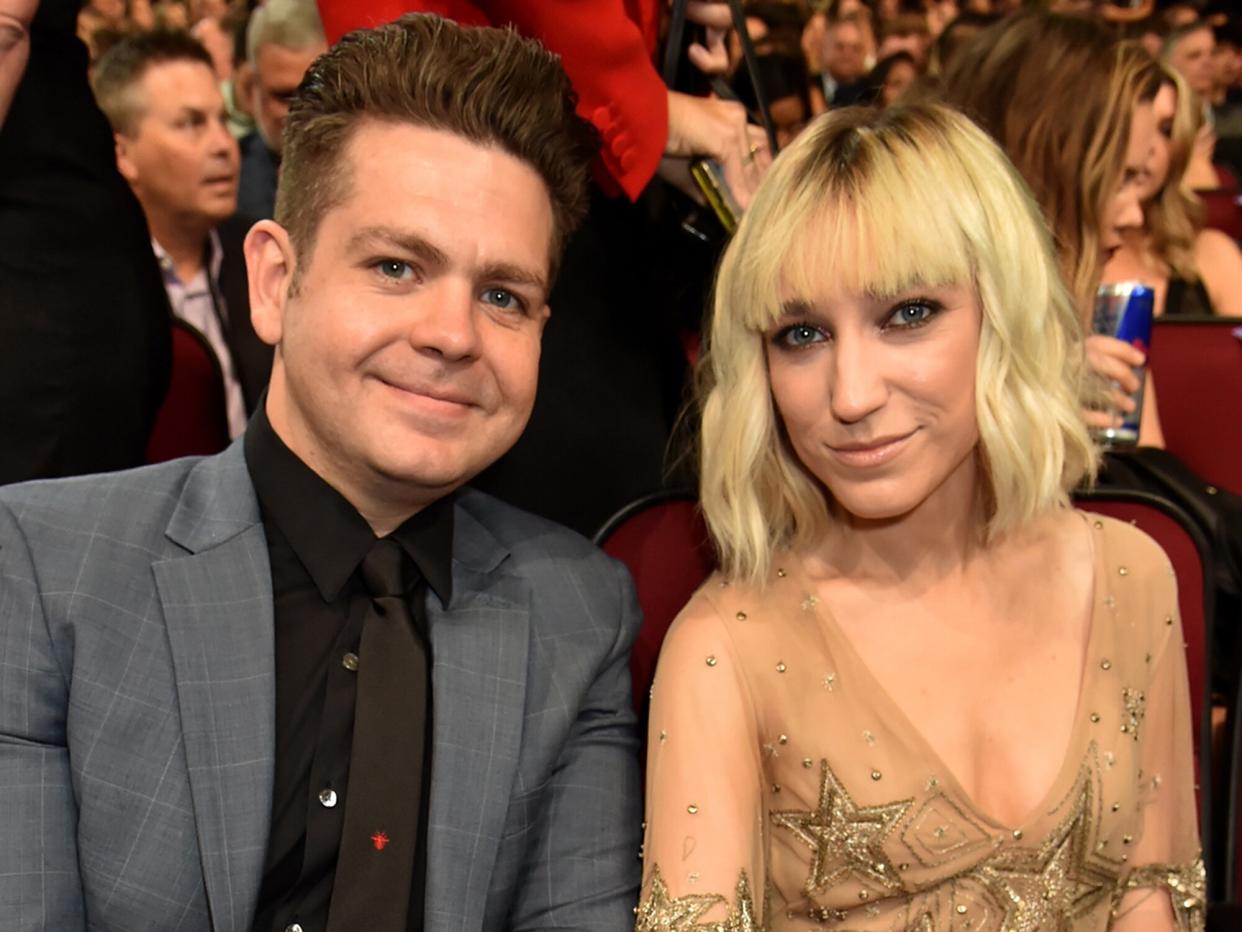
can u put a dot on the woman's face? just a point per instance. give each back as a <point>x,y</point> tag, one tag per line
<point>1164,108</point>
<point>877,393</point>
<point>1124,209</point>
<point>900,76</point>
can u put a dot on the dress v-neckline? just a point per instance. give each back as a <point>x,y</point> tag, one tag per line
<point>1068,769</point>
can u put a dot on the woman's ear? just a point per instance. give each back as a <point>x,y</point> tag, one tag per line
<point>271,264</point>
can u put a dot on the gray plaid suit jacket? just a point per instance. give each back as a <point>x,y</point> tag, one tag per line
<point>137,712</point>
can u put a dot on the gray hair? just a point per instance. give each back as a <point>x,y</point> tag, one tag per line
<point>291,24</point>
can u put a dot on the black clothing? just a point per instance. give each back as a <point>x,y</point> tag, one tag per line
<point>256,192</point>
<point>1186,297</point>
<point>316,541</point>
<point>85,335</point>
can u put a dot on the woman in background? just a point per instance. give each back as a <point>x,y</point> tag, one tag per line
<point>922,691</point>
<point>1073,111</point>
<point>1191,269</point>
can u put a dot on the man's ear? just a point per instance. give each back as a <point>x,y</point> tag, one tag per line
<point>124,163</point>
<point>271,263</point>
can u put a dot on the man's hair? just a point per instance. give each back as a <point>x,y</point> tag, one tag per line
<point>1058,92</point>
<point>878,202</point>
<point>291,24</point>
<point>1175,36</point>
<point>121,68</point>
<point>489,86</point>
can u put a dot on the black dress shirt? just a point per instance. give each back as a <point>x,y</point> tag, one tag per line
<point>316,541</point>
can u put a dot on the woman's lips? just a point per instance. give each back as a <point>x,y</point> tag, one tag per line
<point>872,453</point>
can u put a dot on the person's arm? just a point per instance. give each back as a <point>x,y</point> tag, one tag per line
<point>583,860</point>
<point>15,19</point>
<point>40,887</point>
<point>1163,886</point>
<point>1220,265</point>
<point>703,854</point>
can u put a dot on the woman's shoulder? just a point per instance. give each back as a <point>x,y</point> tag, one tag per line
<point>1127,546</point>
<point>717,612</point>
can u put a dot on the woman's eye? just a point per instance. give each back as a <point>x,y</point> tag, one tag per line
<point>799,335</point>
<point>394,269</point>
<point>505,300</point>
<point>912,314</point>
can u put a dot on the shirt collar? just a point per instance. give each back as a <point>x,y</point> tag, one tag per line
<point>327,534</point>
<point>214,254</point>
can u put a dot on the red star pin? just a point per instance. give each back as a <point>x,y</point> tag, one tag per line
<point>379,839</point>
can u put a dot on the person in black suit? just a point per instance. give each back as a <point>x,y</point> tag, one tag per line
<point>84,334</point>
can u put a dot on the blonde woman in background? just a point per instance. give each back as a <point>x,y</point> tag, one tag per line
<point>922,690</point>
<point>1191,269</point>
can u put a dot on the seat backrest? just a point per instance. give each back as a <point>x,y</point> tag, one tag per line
<point>1190,556</point>
<point>1196,364</point>
<point>193,419</point>
<point>663,542</point>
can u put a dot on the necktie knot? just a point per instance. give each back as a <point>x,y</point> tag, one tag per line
<point>383,569</point>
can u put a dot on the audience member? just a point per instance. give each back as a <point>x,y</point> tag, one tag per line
<point>282,39</point>
<point>310,682</point>
<point>906,33</point>
<point>956,37</point>
<point>844,61</point>
<point>784,80</point>
<point>1073,110</point>
<point>1192,270</point>
<point>1189,49</point>
<point>84,332</point>
<point>890,78</point>
<point>913,640</point>
<point>174,148</point>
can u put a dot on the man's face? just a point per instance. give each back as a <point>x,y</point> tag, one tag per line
<point>180,159</point>
<point>277,73</point>
<point>408,352</point>
<point>1192,56</point>
<point>846,58</point>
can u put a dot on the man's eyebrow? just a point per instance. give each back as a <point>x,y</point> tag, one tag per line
<point>374,236</point>
<point>514,275</point>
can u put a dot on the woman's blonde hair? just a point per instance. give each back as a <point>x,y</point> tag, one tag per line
<point>1174,215</point>
<point>877,203</point>
<point>1058,92</point>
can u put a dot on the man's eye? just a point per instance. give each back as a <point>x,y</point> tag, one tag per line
<point>503,299</point>
<point>912,314</point>
<point>394,269</point>
<point>796,335</point>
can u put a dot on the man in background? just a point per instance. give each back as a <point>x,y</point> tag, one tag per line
<point>282,39</point>
<point>161,95</point>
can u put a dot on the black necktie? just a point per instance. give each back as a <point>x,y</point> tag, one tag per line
<point>373,875</point>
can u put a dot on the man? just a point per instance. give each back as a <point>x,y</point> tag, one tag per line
<point>311,683</point>
<point>173,146</point>
<point>282,39</point>
<point>845,61</point>
<point>1189,50</point>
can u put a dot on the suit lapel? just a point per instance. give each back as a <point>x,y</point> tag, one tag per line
<point>217,602</point>
<point>480,644</point>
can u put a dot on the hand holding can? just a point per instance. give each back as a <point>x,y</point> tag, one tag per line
<point>1123,311</point>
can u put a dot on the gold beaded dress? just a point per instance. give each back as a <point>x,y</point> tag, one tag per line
<point>787,791</point>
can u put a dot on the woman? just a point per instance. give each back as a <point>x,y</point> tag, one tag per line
<point>1073,111</point>
<point>922,691</point>
<point>1191,269</point>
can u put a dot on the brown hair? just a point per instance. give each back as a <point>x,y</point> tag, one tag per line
<point>125,62</point>
<point>1058,93</point>
<point>488,85</point>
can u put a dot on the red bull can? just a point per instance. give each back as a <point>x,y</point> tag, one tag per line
<point>1124,310</point>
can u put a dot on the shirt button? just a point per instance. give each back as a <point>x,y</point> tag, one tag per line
<point>327,798</point>
<point>350,662</point>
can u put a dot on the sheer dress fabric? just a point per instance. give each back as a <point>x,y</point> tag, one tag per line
<point>786,790</point>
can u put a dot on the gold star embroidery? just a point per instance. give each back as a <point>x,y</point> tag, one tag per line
<point>1052,887</point>
<point>844,838</point>
<point>661,913</point>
